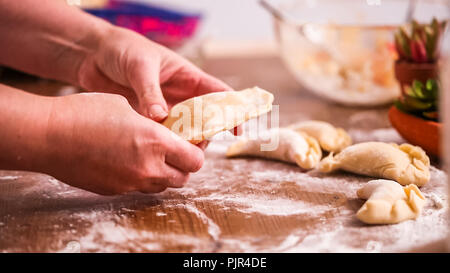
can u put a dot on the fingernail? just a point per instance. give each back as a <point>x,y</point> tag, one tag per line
<point>156,112</point>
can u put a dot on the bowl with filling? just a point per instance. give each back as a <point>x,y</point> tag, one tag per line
<point>343,51</point>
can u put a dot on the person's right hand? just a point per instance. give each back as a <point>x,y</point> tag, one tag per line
<point>99,143</point>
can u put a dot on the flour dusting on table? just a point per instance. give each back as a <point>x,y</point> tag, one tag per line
<point>320,207</point>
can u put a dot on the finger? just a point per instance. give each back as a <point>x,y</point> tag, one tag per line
<point>94,80</point>
<point>153,188</point>
<point>210,84</point>
<point>169,177</point>
<point>182,75</point>
<point>183,155</point>
<point>175,178</point>
<point>145,83</point>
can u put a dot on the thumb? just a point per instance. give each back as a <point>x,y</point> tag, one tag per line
<point>148,90</point>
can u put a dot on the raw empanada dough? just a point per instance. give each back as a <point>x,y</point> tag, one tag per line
<point>202,117</point>
<point>292,147</point>
<point>389,203</point>
<point>406,164</point>
<point>330,138</point>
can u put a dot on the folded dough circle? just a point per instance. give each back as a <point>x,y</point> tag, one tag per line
<point>406,164</point>
<point>281,144</point>
<point>200,118</point>
<point>389,203</point>
<point>330,138</point>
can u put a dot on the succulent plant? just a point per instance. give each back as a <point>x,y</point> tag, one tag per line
<point>420,99</point>
<point>421,43</point>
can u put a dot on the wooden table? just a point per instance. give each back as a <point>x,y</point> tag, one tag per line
<point>238,205</point>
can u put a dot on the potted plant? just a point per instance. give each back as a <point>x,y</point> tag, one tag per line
<point>417,46</point>
<point>415,114</point>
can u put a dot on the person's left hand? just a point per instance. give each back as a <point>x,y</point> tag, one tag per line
<point>150,76</point>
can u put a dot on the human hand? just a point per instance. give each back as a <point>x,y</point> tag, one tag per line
<point>150,76</point>
<point>99,143</point>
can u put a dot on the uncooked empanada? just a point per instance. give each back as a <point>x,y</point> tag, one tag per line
<point>406,164</point>
<point>330,138</point>
<point>282,144</point>
<point>202,117</point>
<point>389,203</point>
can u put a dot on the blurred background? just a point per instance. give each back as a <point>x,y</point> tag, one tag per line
<point>377,68</point>
<point>224,20</point>
<point>353,53</point>
<point>343,51</point>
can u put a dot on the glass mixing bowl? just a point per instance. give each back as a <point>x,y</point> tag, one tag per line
<point>344,50</point>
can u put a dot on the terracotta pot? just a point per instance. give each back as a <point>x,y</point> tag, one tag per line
<point>407,72</point>
<point>417,131</point>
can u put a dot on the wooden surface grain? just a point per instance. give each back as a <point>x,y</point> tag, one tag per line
<point>230,205</point>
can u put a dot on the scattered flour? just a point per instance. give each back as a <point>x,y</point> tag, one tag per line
<point>218,147</point>
<point>437,201</point>
<point>107,235</point>
<point>384,135</point>
<point>54,181</point>
<point>9,177</point>
<point>67,90</point>
<point>266,205</point>
<point>248,189</point>
<point>213,229</point>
